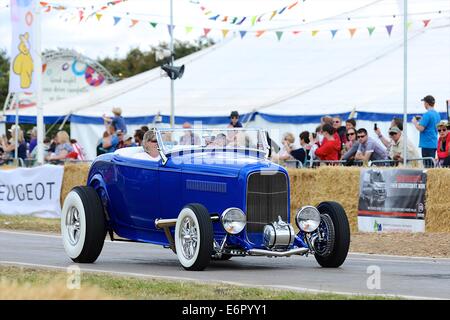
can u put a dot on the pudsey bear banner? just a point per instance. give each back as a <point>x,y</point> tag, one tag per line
<point>31,191</point>
<point>24,43</point>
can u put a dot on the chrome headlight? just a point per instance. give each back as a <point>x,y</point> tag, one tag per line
<point>308,218</point>
<point>233,220</point>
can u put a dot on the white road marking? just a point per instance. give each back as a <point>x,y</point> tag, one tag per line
<point>142,275</point>
<point>366,256</point>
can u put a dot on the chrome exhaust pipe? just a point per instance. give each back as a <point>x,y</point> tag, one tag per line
<point>268,253</point>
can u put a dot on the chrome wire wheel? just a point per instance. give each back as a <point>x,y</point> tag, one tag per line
<point>73,225</point>
<point>189,237</point>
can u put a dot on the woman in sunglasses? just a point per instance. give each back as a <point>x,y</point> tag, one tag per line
<point>443,144</point>
<point>351,146</point>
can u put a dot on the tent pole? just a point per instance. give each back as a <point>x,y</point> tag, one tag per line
<point>40,112</point>
<point>16,129</point>
<point>405,82</point>
<point>172,53</point>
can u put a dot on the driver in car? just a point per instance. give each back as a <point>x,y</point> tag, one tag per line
<point>150,145</point>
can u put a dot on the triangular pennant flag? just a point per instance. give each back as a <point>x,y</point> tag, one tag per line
<point>170,28</point>
<point>44,4</point>
<point>208,12</point>
<point>259,33</point>
<point>370,29</point>
<point>426,22</point>
<point>295,32</point>
<point>259,18</point>
<point>188,29</point>
<point>203,8</point>
<point>352,32</point>
<point>234,20</point>
<point>282,10</point>
<point>48,9</point>
<point>116,20</point>
<point>279,35</point>
<point>253,20</point>
<point>153,24</point>
<point>225,19</point>
<point>242,33</point>
<point>389,29</point>
<point>292,5</point>
<point>333,33</point>
<point>99,16</point>
<point>215,17</point>
<point>273,15</point>
<point>243,19</point>
<point>225,32</point>
<point>81,14</point>
<point>206,31</point>
<point>314,32</point>
<point>133,22</point>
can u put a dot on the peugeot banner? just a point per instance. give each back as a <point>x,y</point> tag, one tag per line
<point>392,200</point>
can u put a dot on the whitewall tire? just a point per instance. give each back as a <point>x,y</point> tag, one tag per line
<point>194,237</point>
<point>83,225</point>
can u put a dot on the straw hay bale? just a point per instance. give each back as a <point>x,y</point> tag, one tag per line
<point>437,218</point>
<point>312,186</point>
<point>75,174</point>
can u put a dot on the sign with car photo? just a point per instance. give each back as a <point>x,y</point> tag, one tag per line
<point>392,200</point>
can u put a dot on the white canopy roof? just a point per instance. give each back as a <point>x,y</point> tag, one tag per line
<point>284,80</point>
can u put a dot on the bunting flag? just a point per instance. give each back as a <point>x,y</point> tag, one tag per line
<point>153,24</point>
<point>206,31</point>
<point>273,15</point>
<point>188,29</point>
<point>116,20</point>
<point>389,29</point>
<point>133,23</point>
<point>170,29</point>
<point>240,22</point>
<point>234,20</point>
<point>352,32</point>
<point>260,33</point>
<point>81,14</point>
<point>371,30</point>
<point>225,32</point>
<point>426,22</point>
<point>333,33</point>
<point>254,18</point>
<point>242,33</point>
<point>279,35</point>
<point>295,32</point>
<point>314,32</point>
<point>292,5</point>
<point>409,25</point>
<point>99,16</point>
<point>282,10</point>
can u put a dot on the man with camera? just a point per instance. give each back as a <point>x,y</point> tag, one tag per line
<point>426,125</point>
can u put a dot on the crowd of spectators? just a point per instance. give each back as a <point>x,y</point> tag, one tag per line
<point>334,143</point>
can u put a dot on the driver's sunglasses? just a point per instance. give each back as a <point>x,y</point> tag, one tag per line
<point>360,137</point>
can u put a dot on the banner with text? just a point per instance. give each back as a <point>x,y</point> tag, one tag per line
<point>392,200</point>
<point>31,191</point>
<point>24,69</point>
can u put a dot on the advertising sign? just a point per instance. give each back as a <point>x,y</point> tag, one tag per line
<point>31,191</point>
<point>392,200</point>
<point>24,70</point>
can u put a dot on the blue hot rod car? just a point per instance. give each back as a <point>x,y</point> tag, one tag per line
<point>212,194</point>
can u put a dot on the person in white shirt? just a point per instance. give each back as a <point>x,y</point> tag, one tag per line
<point>150,145</point>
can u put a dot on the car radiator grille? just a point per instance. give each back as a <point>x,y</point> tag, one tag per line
<point>267,198</point>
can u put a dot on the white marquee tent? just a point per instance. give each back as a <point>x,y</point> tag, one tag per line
<point>285,85</point>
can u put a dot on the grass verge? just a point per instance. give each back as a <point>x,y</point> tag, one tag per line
<point>29,223</point>
<point>32,283</point>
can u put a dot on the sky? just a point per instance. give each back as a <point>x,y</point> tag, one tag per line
<point>100,38</point>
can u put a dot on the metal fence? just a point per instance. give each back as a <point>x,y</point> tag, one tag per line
<point>426,162</point>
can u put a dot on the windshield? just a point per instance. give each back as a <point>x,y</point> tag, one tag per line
<point>175,140</point>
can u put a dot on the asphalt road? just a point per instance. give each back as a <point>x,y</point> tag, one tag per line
<point>400,276</point>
